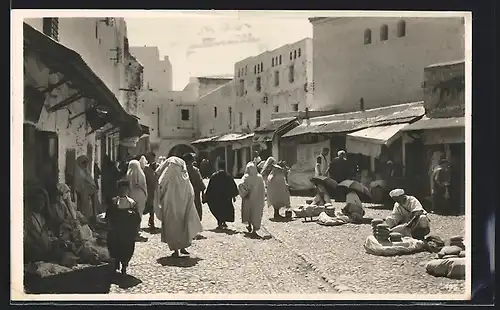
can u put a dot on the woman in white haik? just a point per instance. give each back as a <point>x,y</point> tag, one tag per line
<point>174,206</point>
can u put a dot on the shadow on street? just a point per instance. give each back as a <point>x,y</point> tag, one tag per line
<point>182,261</point>
<point>250,236</point>
<point>152,231</point>
<point>225,231</point>
<point>125,281</point>
<point>281,220</point>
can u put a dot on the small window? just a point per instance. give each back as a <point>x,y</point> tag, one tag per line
<point>368,36</point>
<point>246,69</point>
<point>295,54</point>
<point>401,28</point>
<point>280,60</point>
<point>276,108</point>
<point>238,72</point>
<point>240,116</point>
<point>230,112</point>
<point>185,114</point>
<point>257,118</point>
<point>261,66</point>
<point>215,112</point>
<point>276,78</point>
<point>295,107</point>
<point>291,55</point>
<point>242,87</point>
<point>298,54</point>
<point>255,69</point>
<point>272,62</point>
<point>51,27</point>
<point>291,74</point>
<point>384,32</point>
<point>258,84</point>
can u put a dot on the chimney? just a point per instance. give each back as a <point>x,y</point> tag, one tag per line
<point>361,104</point>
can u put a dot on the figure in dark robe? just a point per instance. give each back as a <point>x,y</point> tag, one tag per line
<point>196,180</point>
<point>220,195</point>
<point>123,218</point>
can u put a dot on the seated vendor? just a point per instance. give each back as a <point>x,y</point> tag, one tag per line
<point>321,197</point>
<point>408,216</point>
<point>353,208</point>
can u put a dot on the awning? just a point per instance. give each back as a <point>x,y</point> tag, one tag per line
<point>230,137</point>
<point>436,123</point>
<point>369,141</point>
<point>263,137</point>
<point>274,124</point>
<point>80,76</point>
<point>348,122</point>
<point>205,140</point>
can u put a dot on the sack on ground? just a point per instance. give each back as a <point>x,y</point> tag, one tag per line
<point>326,220</point>
<point>449,250</point>
<point>387,248</point>
<point>453,268</point>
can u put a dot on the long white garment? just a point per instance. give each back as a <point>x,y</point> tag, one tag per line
<point>175,205</point>
<point>321,168</point>
<point>252,192</point>
<point>138,187</point>
<point>402,213</point>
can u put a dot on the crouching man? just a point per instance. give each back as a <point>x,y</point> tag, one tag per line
<point>408,216</point>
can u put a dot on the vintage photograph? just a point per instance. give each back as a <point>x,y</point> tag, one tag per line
<point>210,154</point>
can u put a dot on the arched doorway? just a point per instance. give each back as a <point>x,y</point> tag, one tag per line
<point>180,149</point>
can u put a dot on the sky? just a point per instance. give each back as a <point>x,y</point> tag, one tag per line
<point>210,42</point>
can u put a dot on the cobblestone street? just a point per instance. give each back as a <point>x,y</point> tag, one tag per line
<point>224,262</point>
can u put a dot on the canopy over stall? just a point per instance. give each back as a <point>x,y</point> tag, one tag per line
<point>369,141</point>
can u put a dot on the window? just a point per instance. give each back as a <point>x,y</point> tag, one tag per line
<point>291,74</point>
<point>259,69</point>
<point>290,55</point>
<point>238,72</point>
<point>384,32</point>
<point>261,66</point>
<point>51,27</point>
<point>215,112</point>
<point>246,69</point>
<point>230,112</point>
<point>240,116</point>
<point>276,108</point>
<point>295,107</point>
<point>185,114</point>
<point>258,84</point>
<point>276,78</point>
<point>295,54</point>
<point>257,118</point>
<point>242,87</point>
<point>255,69</point>
<point>368,36</point>
<point>298,54</point>
<point>272,62</point>
<point>280,59</point>
<point>401,28</point>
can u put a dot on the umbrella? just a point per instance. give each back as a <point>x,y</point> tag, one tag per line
<point>329,184</point>
<point>359,188</point>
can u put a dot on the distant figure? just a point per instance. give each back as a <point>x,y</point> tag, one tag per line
<point>196,181</point>
<point>175,207</point>
<point>340,169</point>
<point>151,158</point>
<point>151,183</point>
<point>353,208</point>
<point>252,192</point>
<point>408,216</point>
<point>138,190</point>
<point>123,218</point>
<point>441,179</point>
<point>321,166</point>
<point>220,195</point>
<point>205,168</point>
<point>256,158</point>
<point>85,188</point>
<point>267,167</point>
<point>278,195</point>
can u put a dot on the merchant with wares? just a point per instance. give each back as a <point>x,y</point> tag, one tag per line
<point>408,216</point>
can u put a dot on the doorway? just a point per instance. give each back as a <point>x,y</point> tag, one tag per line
<point>457,189</point>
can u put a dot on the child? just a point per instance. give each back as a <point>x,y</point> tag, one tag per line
<point>123,218</point>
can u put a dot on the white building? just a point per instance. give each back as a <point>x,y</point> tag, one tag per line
<point>275,81</point>
<point>374,62</point>
<point>157,72</point>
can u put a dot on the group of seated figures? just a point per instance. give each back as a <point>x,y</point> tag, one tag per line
<point>54,231</point>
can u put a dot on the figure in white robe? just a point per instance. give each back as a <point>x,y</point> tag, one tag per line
<point>408,216</point>
<point>252,192</point>
<point>278,195</point>
<point>174,206</point>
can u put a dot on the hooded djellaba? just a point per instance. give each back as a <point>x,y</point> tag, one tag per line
<point>174,206</point>
<point>220,195</point>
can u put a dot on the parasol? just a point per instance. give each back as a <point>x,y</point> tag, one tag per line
<point>360,189</point>
<point>329,184</point>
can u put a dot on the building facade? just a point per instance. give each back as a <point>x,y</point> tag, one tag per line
<point>362,63</point>
<point>273,82</point>
<point>157,71</point>
<point>216,111</point>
